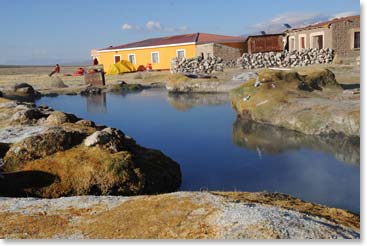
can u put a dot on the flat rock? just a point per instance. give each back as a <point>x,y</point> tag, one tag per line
<point>180,215</point>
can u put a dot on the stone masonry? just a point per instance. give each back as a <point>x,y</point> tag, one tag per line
<point>343,39</point>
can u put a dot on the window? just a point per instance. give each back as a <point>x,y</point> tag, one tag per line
<point>318,41</point>
<point>357,41</point>
<point>132,58</point>
<point>155,57</point>
<point>292,43</point>
<point>117,58</point>
<point>180,53</point>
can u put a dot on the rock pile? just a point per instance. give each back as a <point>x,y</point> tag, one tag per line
<point>286,59</point>
<point>197,65</point>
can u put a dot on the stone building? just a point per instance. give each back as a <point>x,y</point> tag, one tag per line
<point>340,34</point>
<point>226,51</point>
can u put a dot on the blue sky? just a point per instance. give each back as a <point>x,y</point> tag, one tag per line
<point>47,32</point>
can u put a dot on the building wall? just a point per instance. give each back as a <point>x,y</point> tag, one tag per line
<point>227,51</point>
<point>205,49</point>
<point>343,39</point>
<point>265,44</point>
<point>308,34</point>
<point>143,56</point>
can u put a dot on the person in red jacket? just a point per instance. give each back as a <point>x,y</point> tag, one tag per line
<point>56,70</point>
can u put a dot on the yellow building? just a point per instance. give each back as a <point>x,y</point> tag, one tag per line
<point>160,51</point>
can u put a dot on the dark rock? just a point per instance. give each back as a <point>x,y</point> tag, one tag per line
<point>91,91</point>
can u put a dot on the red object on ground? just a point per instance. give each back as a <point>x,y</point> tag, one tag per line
<point>79,72</point>
<point>148,66</point>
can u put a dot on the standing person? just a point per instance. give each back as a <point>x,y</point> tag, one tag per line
<point>95,61</point>
<point>56,70</point>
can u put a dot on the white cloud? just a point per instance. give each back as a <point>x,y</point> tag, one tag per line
<point>344,14</point>
<point>153,25</point>
<point>183,28</point>
<point>295,19</point>
<point>127,26</point>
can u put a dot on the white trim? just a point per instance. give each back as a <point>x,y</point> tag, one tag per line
<point>184,50</point>
<point>128,57</point>
<point>151,57</point>
<point>294,44</point>
<point>300,43</point>
<point>114,60</point>
<point>146,47</point>
<point>313,34</point>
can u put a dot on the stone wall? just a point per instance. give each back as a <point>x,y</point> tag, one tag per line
<point>223,51</point>
<point>343,39</point>
<point>294,58</point>
<point>198,65</point>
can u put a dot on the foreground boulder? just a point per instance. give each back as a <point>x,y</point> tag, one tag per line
<point>58,154</point>
<point>181,215</point>
<point>23,92</point>
<point>309,101</point>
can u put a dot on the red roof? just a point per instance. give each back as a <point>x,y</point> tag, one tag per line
<point>327,23</point>
<point>198,38</point>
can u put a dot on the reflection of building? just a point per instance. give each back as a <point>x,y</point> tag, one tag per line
<point>96,103</point>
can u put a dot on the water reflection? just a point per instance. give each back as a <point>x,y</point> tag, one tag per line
<point>96,103</point>
<point>184,101</point>
<point>273,140</point>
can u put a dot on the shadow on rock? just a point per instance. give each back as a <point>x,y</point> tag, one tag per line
<point>185,101</point>
<point>273,140</point>
<point>16,183</point>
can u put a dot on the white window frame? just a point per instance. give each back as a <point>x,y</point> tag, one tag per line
<point>128,57</point>
<point>184,50</point>
<point>151,57</point>
<point>300,36</point>
<point>317,34</point>
<point>294,46</point>
<point>114,60</point>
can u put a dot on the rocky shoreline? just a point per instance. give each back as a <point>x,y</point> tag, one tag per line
<point>309,101</point>
<point>180,215</point>
<point>48,153</point>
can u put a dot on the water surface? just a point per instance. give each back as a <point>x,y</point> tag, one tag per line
<point>218,152</point>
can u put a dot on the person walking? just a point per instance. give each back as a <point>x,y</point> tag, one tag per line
<point>56,70</point>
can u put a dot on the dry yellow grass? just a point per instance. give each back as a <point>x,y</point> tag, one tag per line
<point>82,170</point>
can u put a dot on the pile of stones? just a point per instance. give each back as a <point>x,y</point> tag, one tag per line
<point>197,65</point>
<point>294,58</point>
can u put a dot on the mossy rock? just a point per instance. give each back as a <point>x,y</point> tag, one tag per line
<point>96,171</point>
<point>280,101</point>
<point>39,146</point>
<point>125,87</point>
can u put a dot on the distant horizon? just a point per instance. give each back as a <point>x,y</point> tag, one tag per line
<point>46,33</point>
